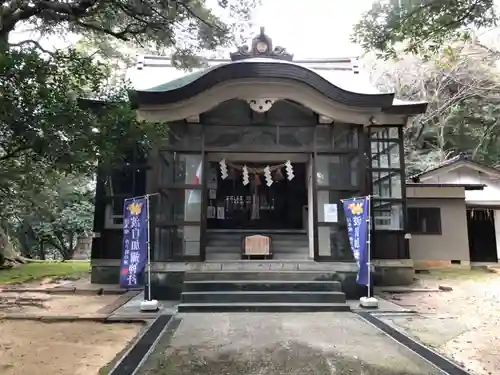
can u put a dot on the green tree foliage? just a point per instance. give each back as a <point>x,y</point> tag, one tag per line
<point>44,120</point>
<point>47,132</point>
<point>420,25</point>
<point>53,219</point>
<point>463,91</point>
<point>60,113</point>
<point>183,27</point>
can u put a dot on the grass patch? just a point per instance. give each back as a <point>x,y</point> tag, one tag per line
<point>41,270</point>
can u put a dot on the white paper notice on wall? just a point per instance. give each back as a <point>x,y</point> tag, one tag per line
<point>330,212</point>
<point>220,213</point>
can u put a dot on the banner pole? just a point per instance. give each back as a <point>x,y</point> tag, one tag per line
<point>149,304</point>
<point>368,244</point>
<point>149,247</point>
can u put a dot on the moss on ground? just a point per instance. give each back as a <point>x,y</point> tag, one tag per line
<point>40,270</point>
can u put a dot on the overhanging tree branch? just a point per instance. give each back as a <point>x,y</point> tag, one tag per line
<point>33,42</point>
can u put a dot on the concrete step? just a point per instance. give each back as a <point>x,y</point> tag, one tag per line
<point>235,249</point>
<point>260,285</point>
<point>243,275</point>
<point>239,237</point>
<point>263,297</point>
<point>262,307</point>
<point>238,245</point>
<point>238,242</point>
<point>277,255</point>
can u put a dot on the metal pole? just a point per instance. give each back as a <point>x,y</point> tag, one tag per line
<point>368,244</point>
<point>148,247</point>
<point>361,197</point>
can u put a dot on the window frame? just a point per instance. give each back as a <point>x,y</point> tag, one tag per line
<point>387,243</point>
<point>113,220</point>
<point>419,230</point>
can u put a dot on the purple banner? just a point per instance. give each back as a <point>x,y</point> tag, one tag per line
<point>135,242</point>
<point>356,214</point>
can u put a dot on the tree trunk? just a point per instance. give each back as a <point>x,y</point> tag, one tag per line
<point>8,256</point>
<point>42,250</point>
<point>4,40</point>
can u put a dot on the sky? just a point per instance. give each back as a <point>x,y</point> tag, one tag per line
<point>307,29</point>
<point>312,28</point>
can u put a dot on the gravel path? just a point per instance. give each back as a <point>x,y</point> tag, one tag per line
<point>272,344</point>
<point>463,324</point>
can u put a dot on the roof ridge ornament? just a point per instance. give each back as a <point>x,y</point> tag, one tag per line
<point>262,46</point>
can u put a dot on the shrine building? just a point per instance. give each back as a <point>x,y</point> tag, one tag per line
<point>263,145</point>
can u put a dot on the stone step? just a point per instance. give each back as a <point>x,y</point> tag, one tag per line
<point>239,237</point>
<point>266,232</point>
<point>277,255</point>
<point>262,307</point>
<point>235,249</point>
<point>263,297</point>
<point>237,242</point>
<point>243,275</point>
<point>260,285</point>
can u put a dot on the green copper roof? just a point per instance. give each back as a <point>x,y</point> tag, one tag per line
<point>181,81</point>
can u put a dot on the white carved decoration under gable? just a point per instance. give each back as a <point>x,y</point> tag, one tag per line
<point>195,119</point>
<point>325,119</point>
<point>261,105</point>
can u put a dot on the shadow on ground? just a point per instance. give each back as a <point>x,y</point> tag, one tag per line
<point>280,358</point>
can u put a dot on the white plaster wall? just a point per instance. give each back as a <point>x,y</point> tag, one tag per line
<point>496,217</point>
<point>490,195</point>
<point>452,243</point>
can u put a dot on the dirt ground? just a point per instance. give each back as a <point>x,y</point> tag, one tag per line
<point>463,324</point>
<point>52,282</point>
<point>52,304</point>
<point>65,348</point>
<point>76,348</point>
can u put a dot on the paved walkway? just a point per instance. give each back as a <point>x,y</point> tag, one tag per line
<point>272,344</point>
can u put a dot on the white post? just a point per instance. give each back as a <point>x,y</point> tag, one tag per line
<point>369,301</point>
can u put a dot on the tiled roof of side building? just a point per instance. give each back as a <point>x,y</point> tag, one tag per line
<point>460,158</point>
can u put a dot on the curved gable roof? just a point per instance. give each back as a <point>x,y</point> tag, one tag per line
<point>322,78</point>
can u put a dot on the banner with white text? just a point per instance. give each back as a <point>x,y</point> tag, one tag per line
<point>135,242</point>
<point>356,214</point>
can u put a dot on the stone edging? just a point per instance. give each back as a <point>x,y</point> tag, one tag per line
<point>444,364</point>
<point>117,303</point>
<point>403,289</point>
<point>101,318</point>
<point>69,290</point>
